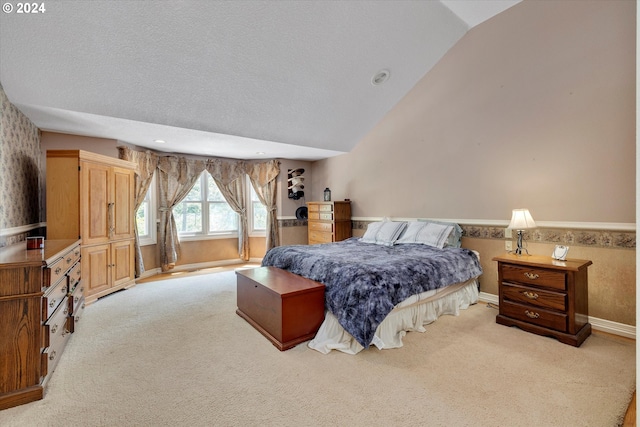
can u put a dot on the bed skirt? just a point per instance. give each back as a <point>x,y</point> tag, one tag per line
<point>410,315</point>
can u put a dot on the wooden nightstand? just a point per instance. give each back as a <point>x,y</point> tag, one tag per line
<point>547,297</point>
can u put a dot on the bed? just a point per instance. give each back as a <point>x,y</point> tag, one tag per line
<point>398,277</point>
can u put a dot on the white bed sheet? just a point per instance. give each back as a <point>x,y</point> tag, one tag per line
<point>410,315</point>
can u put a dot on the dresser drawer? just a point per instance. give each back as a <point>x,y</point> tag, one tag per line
<point>55,328</point>
<point>325,208</point>
<point>534,276</point>
<point>74,319</point>
<point>74,275</point>
<point>535,296</point>
<point>52,299</point>
<point>534,315</point>
<point>75,295</point>
<point>326,216</point>
<point>321,226</point>
<point>57,270</point>
<point>51,355</point>
<point>320,237</point>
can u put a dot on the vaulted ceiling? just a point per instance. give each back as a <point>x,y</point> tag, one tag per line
<point>240,79</point>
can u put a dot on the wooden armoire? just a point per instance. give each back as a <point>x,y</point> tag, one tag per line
<point>91,197</point>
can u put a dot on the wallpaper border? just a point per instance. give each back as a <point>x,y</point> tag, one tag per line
<point>598,238</point>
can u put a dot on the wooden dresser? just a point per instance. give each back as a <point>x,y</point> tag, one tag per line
<point>91,197</point>
<point>547,297</point>
<point>286,308</point>
<point>329,221</point>
<point>35,315</point>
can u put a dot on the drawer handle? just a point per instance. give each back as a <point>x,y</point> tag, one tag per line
<point>63,290</point>
<point>531,314</point>
<point>52,303</point>
<point>532,276</point>
<point>69,260</point>
<point>54,328</point>
<point>52,355</point>
<point>58,270</point>
<point>530,295</point>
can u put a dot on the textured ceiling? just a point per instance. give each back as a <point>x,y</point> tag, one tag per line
<point>291,79</point>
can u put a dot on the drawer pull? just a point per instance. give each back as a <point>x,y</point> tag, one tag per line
<point>52,355</point>
<point>54,329</point>
<point>63,290</point>
<point>58,270</point>
<point>69,260</point>
<point>52,303</point>
<point>531,314</point>
<point>530,295</point>
<point>532,276</point>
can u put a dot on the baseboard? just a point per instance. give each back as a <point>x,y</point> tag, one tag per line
<point>597,324</point>
<point>199,266</point>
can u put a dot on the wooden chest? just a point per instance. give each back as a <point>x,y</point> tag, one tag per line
<point>284,307</point>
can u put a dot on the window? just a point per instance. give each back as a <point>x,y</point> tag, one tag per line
<point>257,212</point>
<point>146,217</point>
<point>204,211</point>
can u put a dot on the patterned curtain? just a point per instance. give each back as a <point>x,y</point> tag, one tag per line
<point>147,162</point>
<point>176,176</point>
<point>229,176</point>
<point>263,178</point>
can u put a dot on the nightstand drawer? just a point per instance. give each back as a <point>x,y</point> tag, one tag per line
<point>534,315</point>
<point>535,296</point>
<point>534,276</point>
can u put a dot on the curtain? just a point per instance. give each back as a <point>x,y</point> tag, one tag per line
<point>176,176</point>
<point>147,162</point>
<point>263,178</point>
<point>229,176</point>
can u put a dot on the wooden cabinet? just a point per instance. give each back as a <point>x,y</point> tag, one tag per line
<point>286,308</point>
<point>545,296</point>
<point>328,221</point>
<point>91,197</point>
<point>34,315</point>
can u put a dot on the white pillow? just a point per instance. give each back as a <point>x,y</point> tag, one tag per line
<point>426,233</point>
<point>383,233</point>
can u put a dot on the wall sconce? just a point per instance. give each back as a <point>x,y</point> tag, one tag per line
<point>521,220</point>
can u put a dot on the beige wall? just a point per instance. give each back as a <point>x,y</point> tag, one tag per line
<point>534,108</point>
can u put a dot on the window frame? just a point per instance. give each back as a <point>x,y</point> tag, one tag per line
<point>205,234</point>
<point>151,198</point>
<point>250,213</point>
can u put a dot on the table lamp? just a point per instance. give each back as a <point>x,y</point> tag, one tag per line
<point>521,220</point>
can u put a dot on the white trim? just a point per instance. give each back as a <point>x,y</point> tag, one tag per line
<point>597,324</point>
<point>614,226</point>
<point>198,266</point>
<point>21,229</point>
<point>149,273</point>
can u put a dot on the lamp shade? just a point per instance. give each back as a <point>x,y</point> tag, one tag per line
<point>521,220</point>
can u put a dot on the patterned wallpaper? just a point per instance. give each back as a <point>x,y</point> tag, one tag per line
<point>19,170</point>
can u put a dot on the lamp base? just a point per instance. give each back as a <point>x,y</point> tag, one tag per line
<point>519,247</point>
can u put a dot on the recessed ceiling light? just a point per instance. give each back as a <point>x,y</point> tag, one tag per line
<point>380,77</point>
<point>159,141</point>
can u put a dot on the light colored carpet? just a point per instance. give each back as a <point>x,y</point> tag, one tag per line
<point>174,353</point>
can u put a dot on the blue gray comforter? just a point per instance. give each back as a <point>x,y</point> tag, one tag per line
<point>365,281</point>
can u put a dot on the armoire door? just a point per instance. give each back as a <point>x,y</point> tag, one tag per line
<point>96,207</point>
<point>123,198</point>
<point>96,268</point>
